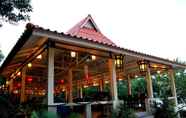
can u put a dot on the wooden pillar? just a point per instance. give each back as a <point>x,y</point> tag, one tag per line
<point>129,85</point>
<point>101,85</point>
<point>70,97</point>
<point>50,76</point>
<point>113,82</point>
<point>23,77</point>
<point>173,87</point>
<point>86,71</point>
<point>149,83</point>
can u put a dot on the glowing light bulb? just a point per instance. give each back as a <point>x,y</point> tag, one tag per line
<point>29,65</point>
<point>73,54</point>
<point>93,57</point>
<point>7,82</point>
<point>106,82</point>
<point>19,73</point>
<point>39,56</point>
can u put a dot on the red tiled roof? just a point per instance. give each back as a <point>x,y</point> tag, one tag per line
<point>94,34</point>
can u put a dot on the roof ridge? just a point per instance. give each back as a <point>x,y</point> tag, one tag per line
<point>80,30</point>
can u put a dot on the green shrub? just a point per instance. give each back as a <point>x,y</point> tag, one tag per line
<point>166,110</point>
<point>74,115</point>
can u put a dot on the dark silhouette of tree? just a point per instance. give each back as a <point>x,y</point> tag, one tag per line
<point>13,11</point>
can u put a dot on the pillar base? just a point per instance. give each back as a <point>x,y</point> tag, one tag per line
<point>115,104</point>
<point>88,111</point>
<point>52,112</point>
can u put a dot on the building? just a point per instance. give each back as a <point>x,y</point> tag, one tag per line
<point>58,66</point>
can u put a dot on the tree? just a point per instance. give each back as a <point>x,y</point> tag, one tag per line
<point>13,11</point>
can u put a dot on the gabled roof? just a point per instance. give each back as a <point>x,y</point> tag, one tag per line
<point>88,29</point>
<point>34,30</point>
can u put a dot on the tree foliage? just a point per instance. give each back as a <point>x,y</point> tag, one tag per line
<point>13,11</point>
<point>180,80</point>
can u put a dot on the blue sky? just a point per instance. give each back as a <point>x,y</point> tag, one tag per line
<point>156,27</point>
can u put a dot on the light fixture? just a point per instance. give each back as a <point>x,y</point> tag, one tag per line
<point>93,57</point>
<point>143,64</point>
<point>158,71</point>
<point>119,61</point>
<point>154,66</point>
<point>63,90</point>
<point>85,86</point>
<point>106,81</point>
<point>29,79</point>
<point>7,82</point>
<point>29,65</point>
<point>73,54</point>
<point>15,91</point>
<point>120,79</point>
<point>178,73</point>
<point>136,76</point>
<point>19,73</point>
<point>39,56</point>
<point>95,84</point>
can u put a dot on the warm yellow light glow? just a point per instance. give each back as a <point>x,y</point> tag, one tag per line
<point>3,86</point>
<point>19,73</point>
<point>93,57</point>
<point>73,54</point>
<point>95,84</point>
<point>106,81</point>
<point>39,56</point>
<point>155,66</point>
<point>29,65</point>
<point>136,76</point>
<point>143,67</point>
<point>63,89</point>
<point>158,72</point>
<point>120,79</point>
<point>7,82</point>
<point>85,86</point>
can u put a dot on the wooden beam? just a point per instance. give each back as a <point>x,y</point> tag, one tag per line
<point>86,44</point>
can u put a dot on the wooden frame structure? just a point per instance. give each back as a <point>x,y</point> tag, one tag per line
<point>55,61</point>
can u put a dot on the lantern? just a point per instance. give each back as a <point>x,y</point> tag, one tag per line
<point>119,61</point>
<point>18,85</point>
<point>62,81</point>
<point>143,64</point>
<point>29,79</point>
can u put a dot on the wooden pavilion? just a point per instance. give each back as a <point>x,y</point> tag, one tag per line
<point>57,66</point>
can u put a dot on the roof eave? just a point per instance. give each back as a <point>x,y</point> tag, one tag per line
<point>21,41</point>
<point>110,48</point>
